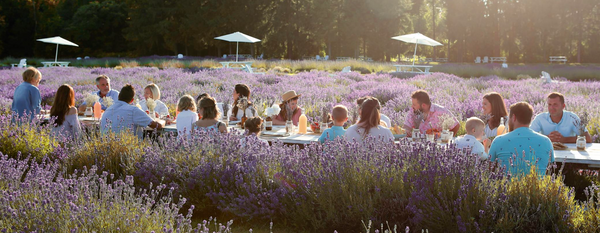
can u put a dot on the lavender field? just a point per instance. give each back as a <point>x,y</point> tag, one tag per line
<point>170,184</point>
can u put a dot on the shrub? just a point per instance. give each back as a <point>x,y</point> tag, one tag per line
<point>27,138</point>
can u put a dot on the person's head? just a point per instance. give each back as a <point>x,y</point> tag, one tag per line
<point>33,76</point>
<point>339,114</point>
<point>556,104</point>
<point>360,101</point>
<point>370,115</point>
<point>200,97</point>
<point>63,100</point>
<point>207,107</point>
<point>475,127</point>
<point>103,84</point>
<point>241,90</point>
<point>186,102</point>
<point>520,115</point>
<point>420,101</point>
<point>152,91</point>
<point>493,104</point>
<point>254,125</point>
<point>127,93</point>
<point>289,105</point>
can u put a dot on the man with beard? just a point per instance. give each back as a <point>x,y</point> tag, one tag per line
<point>427,116</point>
<point>559,125</point>
<point>522,147</point>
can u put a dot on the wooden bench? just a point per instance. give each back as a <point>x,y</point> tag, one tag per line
<point>562,59</point>
<point>441,59</point>
<point>493,59</point>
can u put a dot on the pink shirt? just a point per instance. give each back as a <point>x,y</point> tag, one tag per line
<point>295,117</point>
<point>434,119</point>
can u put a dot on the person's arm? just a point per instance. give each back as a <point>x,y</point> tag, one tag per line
<point>557,137</point>
<point>455,129</point>
<point>231,116</point>
<point>408,124</point>
<point>155,125</point>
<point>36,100</point>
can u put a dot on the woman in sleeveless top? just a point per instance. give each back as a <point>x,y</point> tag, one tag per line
<point>64,111</point>
<point>236,114</point>
<point>493,105</point>
<point>207,108</point>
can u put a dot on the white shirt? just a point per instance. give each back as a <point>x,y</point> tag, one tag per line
<point>469,141</point>
<point>543,124</point>
<point>354,133</point>
<point>161,108</point>
<point>249,112</point>
<point>185,121</point>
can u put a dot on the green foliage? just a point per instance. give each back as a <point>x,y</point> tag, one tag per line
<point>26,139</point>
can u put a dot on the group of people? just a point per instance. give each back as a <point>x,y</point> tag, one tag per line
<point>526,138</point>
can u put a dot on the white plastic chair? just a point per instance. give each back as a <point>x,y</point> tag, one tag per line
<point>546,77</point>
<point>486,59</point>
<point>346,69</point>
<point>504,65</point>
<point>86,57</point>
<point>224,56</point>
<point>318,58</point>
<point>248,69</point>
<point>326,58</point>
<point>179,56</point>
<point>22,63</point>
<point>78,58</point>
<point>260,57</point>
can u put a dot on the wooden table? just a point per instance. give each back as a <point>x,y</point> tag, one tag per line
<point>56,63</point>
<point>413,68</point>
<point>83,119</point>
<point>590,157</point>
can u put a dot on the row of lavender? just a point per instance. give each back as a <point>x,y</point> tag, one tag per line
<point>320,90</point>
<point>320,188</point>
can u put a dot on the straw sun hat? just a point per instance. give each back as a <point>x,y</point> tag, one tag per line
<point>289,95</point>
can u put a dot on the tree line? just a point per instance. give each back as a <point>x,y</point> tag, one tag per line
<point>521,30</point>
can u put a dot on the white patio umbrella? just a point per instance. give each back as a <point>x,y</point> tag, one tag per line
<point>237,37</point>
<point>417,38</point>
<point>58,41</point>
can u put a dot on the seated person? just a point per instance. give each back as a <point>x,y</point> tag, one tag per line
<point>153,92</point>
<point>254,126</point>
<point>123,116</point>
<point>103,85</point>
<point>522,147</point>
<point>236,114</point>
<point>384,118</point>
<point>340,116</point>
<point>475,131</point>
<point>432,115</point>
<point>210,114</point>
<point>559,125</point>
<point>187,115</point>
<point>65,113</point>
<point>369,124</point>
<point>289,109</point>
<point>27,98</point>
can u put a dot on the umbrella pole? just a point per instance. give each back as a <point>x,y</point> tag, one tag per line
<point>56,56</point>
<point>414,55</point>
<point>237,47</point>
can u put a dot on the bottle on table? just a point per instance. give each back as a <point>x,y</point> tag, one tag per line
<point>501,128</point>
<point>302,124</point>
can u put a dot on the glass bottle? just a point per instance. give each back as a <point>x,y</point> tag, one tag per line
<point>244,118</point>
<point>269,123</point>
<point>289,127</point>
<point>501,128</point>
<point>580,142</point>
<point>302,124</point>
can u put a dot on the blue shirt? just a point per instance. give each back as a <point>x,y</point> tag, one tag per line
<point>522,147</point>
<point>114,95</point>
<point>122,116</point>
<point>26,99</point>
<point>567,126</point>
<point>332,133</point>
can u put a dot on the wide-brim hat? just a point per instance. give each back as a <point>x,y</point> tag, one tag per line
<point>288,95</point>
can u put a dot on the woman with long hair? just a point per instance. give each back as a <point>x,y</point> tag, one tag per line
<point>65,113</point>
<point>493,105</point>
<point>207,108</point>
<point>289,109</point>
<point>369,124</point>
<point>236,114</point>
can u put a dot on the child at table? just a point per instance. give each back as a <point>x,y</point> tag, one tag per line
<point>254,126</point>
<point>340,116</point>
<point>187,115</point>
<point>475,131</point>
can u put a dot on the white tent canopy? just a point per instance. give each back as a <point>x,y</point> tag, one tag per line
<point>237,37</point>
<point>417,38</point>
<point>58,41</point>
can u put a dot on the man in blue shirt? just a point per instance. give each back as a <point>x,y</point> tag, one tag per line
<point>27,99</point>
<point>103,85</point>
<point>559,125</point>
<point>522,147</point>
<point>124,116</point>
